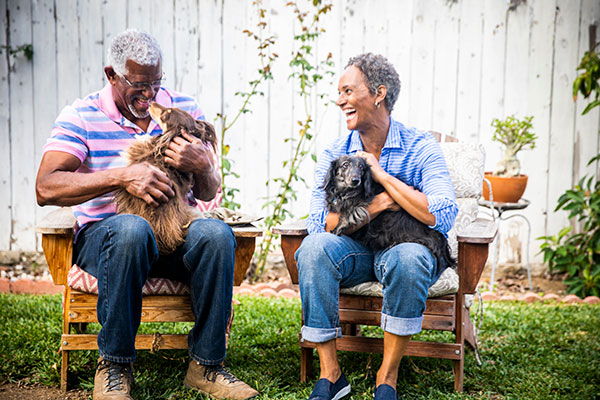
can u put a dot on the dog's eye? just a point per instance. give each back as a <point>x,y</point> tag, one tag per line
<point>346,164</point>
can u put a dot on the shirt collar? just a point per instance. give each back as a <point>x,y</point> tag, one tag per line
<point>106,103</point>
<point>393,139</point>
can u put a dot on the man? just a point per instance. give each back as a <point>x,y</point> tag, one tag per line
<point>82,166</point>
<point>410,166</point>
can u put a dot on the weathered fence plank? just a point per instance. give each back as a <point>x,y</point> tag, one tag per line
<point>5,159</point>
<point>445,68</point>
<point>469,71</point>
<point>492,76</point>
<point>421,65</point>
<point>539,105</point>
<point>22,125</point>
<point>562,122</point>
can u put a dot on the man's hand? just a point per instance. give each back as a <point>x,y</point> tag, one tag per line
<point>187,153</point>
<point>147,182</point>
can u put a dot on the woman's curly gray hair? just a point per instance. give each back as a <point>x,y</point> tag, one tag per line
<point>378,71</point>
<point>137,46</point>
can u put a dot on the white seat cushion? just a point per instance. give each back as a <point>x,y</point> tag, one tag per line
<point>445,285</point>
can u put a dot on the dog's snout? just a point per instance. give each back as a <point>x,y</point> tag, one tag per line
<point>355,181</point>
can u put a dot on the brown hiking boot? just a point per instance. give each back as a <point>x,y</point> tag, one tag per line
<point>113,380</point>
<point>217,382</point>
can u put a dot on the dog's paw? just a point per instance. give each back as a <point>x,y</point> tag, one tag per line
<point>339,230</point>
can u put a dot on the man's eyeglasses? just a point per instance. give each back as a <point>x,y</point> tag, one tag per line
<point>144,85</point>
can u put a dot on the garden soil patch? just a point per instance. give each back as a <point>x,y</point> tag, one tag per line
<point>21,391</point>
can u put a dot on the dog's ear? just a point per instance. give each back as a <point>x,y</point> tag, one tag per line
<point>367,178</point>
<point>329,183</point>
<point>208,133</point>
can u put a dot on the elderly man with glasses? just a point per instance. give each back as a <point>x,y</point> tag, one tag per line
<point>82,166</point>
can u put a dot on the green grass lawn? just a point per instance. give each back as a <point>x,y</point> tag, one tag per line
<point>529,351</point>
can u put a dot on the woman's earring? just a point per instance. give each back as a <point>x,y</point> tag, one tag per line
<point>376,104</point>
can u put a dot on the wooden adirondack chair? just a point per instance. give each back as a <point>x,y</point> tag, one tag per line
<point>79,308</point>
<point>447,307</point>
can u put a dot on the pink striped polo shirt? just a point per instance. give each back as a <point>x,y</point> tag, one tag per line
<point>94,130</point>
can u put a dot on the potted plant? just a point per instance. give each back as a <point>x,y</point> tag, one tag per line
<point>508,184</point>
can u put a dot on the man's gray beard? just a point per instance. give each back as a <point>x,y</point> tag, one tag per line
<point>137,114</point>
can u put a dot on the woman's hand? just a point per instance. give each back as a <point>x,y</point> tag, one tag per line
<point>384,202</point>
<point>376,170</point>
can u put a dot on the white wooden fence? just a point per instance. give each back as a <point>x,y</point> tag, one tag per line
<point>461,63</point>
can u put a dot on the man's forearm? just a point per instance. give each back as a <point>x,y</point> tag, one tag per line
<point>206,185</point>
<point>65,188</point>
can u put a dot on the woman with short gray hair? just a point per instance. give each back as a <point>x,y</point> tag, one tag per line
<point>410,166</point>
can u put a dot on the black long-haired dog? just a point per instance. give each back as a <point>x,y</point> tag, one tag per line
<point>349,188</point>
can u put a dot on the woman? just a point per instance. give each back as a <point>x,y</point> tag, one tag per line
<point>410,165</point>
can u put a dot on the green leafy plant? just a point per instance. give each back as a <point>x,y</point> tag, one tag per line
<point>588,81</point>
<point>515,135</point>
<point>577,252</point>
<point>307,73</point>
<point>264,73</point>
<point>26,49</point>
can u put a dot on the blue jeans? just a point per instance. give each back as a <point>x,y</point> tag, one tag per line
<point>121,252</point>
<point>327,262</point>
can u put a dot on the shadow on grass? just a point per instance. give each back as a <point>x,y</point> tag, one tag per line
<point>529,352</point>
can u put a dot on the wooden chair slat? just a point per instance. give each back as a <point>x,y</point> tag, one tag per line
<point>142,342</point>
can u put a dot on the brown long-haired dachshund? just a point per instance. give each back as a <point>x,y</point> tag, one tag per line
<point>169,221</point>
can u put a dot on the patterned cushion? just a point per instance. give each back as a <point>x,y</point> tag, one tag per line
<point>211,204</point>
<point>466,163</point>
<point>80,280</point>
<point>446,284</point>
<point>467,214</point>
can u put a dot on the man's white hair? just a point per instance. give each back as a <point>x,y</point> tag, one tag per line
<point>137,46</point>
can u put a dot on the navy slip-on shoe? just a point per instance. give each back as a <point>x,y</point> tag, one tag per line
<point>385,392</point>
<point>325,390</point>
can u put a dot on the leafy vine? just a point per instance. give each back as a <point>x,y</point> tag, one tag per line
<point>307,72</point>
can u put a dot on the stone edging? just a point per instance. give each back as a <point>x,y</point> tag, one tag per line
<point>280,289</point>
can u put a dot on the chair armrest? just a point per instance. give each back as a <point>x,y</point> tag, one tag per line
<point>296,228</point>
<point>245,236</point>
<point>57,229</point>
<point>473,249</point>
<point>292,235</point>
<point>480,231</point>
<point>60,222</point>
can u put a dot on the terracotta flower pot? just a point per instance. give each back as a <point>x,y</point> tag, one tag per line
<point>505,189</point>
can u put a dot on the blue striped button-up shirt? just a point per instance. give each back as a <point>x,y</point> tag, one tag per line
<point>412,156</point>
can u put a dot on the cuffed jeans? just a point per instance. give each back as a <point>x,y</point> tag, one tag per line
<point>327,262</point>
<point>121,252</point>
